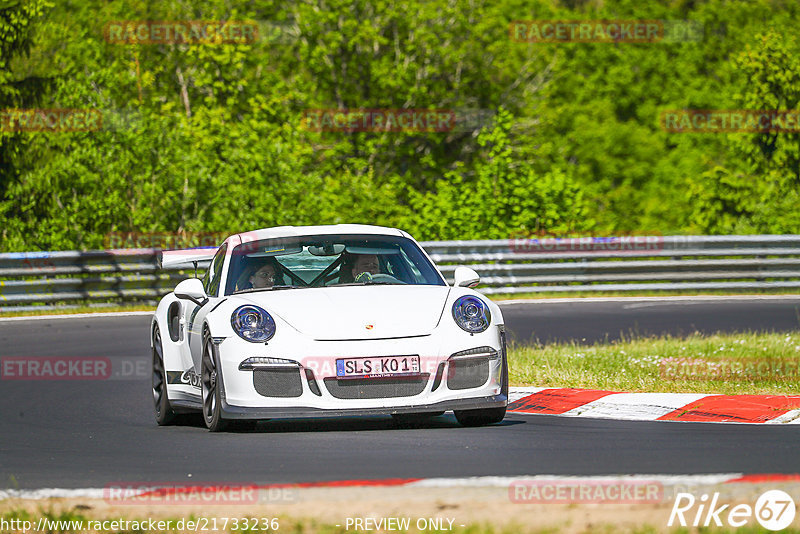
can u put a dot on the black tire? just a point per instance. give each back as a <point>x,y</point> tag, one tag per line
<point>212,407</point>
<point>165,415</point>
<point>504,383</point>
<point>486,416</point>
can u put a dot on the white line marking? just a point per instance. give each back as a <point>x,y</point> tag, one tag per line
<point>665,421</point>
<point>516,393</point>
<point>791,417</point>
<point>491,481</point>
<point>664,299</point>
<point>485,481</point>
<point>52,493</point>
<point>76,316</point>
<point>641,407</point>
<point>635,406</point>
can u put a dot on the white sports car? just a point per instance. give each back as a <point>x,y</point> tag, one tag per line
<point>316,321</point>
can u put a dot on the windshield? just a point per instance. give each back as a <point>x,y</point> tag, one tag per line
<point>323,261</point>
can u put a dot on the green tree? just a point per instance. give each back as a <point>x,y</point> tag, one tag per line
<point>759,190</point>
<point>19,86</point>
<point>499,199</point>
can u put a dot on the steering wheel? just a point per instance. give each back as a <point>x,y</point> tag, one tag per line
<point>380,277</point>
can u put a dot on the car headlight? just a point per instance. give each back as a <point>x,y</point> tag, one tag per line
<point>253,324</point>
<point>471,314</point>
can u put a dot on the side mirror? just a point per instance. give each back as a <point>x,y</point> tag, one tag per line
<point>191,289</point>
<point>466,277</point>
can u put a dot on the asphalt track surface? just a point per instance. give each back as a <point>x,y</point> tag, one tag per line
<point>593,322</point>
<point>78,434</point>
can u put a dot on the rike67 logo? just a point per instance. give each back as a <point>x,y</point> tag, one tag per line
<point>774,510</point>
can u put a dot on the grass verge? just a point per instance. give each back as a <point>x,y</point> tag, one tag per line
<point>735,364</point>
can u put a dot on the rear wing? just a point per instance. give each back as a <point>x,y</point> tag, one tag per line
<point>186,258</point>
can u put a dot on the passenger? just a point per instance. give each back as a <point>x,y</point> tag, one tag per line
<point>260,274</point>
<point>263,277</point>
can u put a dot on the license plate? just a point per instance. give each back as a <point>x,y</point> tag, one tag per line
<point>377,366</point>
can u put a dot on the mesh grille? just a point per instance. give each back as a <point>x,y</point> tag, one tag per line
<point>465,374</point>
<point>376,388</point>
<point>278,382</point>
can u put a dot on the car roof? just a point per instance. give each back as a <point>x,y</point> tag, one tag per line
<point>329,229</point>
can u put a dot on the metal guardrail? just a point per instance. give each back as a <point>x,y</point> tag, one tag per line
<point>648,263</point>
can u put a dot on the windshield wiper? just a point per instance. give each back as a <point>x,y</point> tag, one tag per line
<point>253,289</point>
<point>370,283</point>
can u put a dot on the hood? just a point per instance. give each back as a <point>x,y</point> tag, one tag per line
<point>357,312</point>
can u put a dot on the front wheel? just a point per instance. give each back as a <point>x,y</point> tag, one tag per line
<point>210,384</point>
<point>164,413</point>
<point>485,416</point>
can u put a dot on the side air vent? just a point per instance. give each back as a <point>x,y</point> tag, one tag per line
<point>174,321</point>
<point>312,383</point>
<point>437,381</point>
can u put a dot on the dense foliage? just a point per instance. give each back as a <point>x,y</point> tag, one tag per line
<point>212,137</point>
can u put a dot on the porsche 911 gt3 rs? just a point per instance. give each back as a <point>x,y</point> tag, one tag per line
<point>318,321</point>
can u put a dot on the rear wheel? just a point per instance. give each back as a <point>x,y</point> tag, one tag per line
<point>210,384</point>
<point>164,413</point>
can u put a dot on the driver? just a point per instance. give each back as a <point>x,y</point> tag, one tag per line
<point>366,263</point>
<point>355,264</point>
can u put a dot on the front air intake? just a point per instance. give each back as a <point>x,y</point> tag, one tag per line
<point>278,382</point>
<point>467,373</point>
<point>376,388</point>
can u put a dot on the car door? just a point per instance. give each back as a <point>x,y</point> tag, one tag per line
<point>197,314</point>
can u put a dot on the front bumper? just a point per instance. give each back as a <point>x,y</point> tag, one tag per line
<point>441,391</point>
<point>239,412</point>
